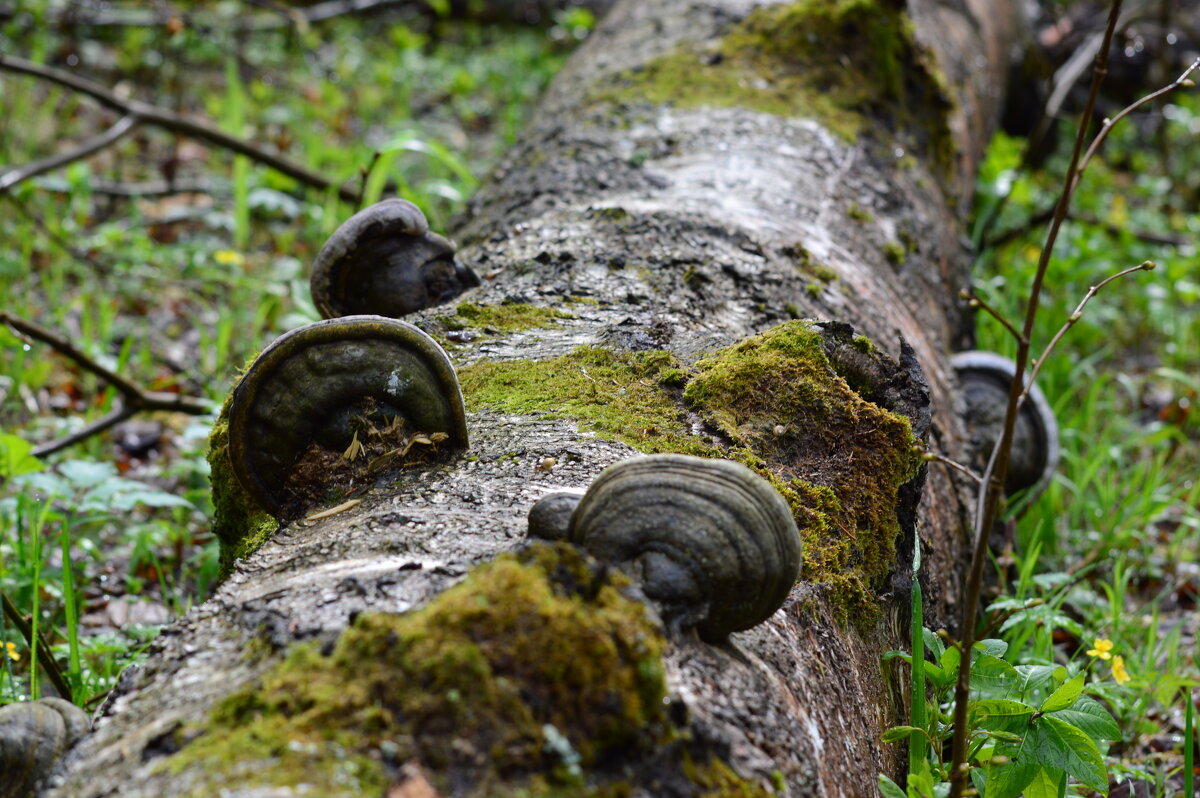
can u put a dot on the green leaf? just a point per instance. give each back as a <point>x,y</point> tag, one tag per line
<point>933,643</point>
<point>1091,716</point>
<point>1008,780</point>
<point>901,733</point>
<point>1000,706</point>
<point>1057,744</point>
<point>16,457</point>
<point>1047,783</point>
<point>991,647</point>
<point>992,677</point>
<point>897,655</point>
<point>1065,695</point>
<point>889,788</point>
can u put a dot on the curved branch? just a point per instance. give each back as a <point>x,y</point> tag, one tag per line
<point>195,128</point>
<point>123,127</point>
<point>134,399</point>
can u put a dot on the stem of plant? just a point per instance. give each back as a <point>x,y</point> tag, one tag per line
<point>991,489</point>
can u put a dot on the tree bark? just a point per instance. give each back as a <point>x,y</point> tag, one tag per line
<point>673,225</point>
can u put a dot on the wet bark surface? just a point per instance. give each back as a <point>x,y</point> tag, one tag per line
<point>684,229</point>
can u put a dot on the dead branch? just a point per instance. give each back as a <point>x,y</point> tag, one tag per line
<point>160,117</point>
<point>134,399</point>
<point>123,127</point>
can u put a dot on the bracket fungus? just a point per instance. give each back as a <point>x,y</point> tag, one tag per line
<point>314,384</point>
<point>34,736</point>
<point>709,541</point>
<point>986,378</point>
<point>384,260</point>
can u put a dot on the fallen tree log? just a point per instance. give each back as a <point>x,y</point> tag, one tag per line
<point>699,174</point>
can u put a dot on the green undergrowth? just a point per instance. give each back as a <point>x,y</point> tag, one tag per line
<point>529,678</point>
<point>846,62</point>
<point>503,318</point>
<point>838,459</point>
<point>624,396</point>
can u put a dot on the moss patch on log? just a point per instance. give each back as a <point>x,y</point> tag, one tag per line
<point>844,62</point>
<point>525,679</point>
<point>624,396</point>
<point>241,526</point>
<point>503,318</point>
<point>838,459</point>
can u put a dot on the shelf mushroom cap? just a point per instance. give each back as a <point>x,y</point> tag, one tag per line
<point>309,384</point>
<point>985,378</point>
<point>384,260</point>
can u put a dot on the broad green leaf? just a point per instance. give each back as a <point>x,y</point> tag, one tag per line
<point>940,678</point>
<point>1054,743</point>
<point>1008,780</point>
<point>897,655</point>
<point>86,473</point>
<point>950,659</point>
<point>1047,783</point>
<point>991,647</point>
<point>16,456</point>
<point>1001,706</point>
<point>992,677</point>
<point>1091,716</point>
<point>1038,681</point>
<point>889,788</point>
<point>1065,695</point>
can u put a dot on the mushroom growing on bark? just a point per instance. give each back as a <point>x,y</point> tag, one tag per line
<point>384,260</point>
<point>986,378</point>
<point>713,544</point>
<point>313,383</point>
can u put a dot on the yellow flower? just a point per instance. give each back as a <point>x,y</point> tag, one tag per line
<point>12,652</point>
<point>227,257</point>
<point>1120,675</point>
<point>1101,648</point>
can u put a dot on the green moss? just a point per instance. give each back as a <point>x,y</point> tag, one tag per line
<point>502,318</point>
<point>240,525</point>
<point>793,310</point>
<point>717,780</point>
<point>842,61</point>
<point>895,253</point>
<point>467,685</point>
<point>858,213</point>
<point>788,412</point>
<point>617,395</point>
<point>864,344</point>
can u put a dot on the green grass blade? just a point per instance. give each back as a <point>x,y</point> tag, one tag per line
<point>71,605</point>
<point>917,744</point>
<point>1189,749</point>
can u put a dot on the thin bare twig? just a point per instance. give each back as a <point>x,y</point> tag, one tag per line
<point>992,487</point>
<point>1180,82</point>
<point>1073,318</point>
<point>976,302</point>
<point>146,188</point>
<point>1043,216</point>
<point>122,128</point>
<point>53,672</point>
<point>196,128</point>
<point>954,464</point>
<point>134,399</point>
